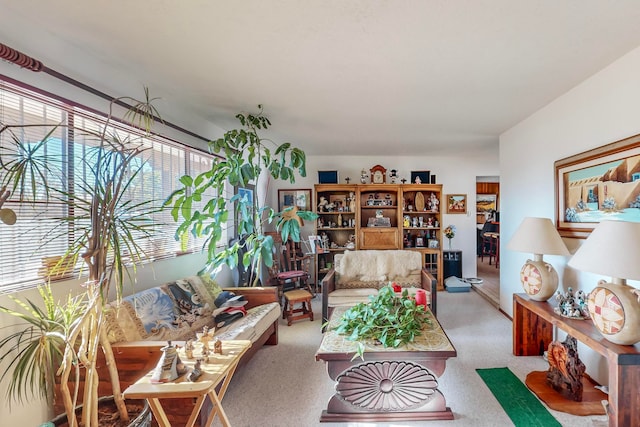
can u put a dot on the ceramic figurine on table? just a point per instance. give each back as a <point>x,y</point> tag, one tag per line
<point>205,338</point>
<point>196,372</point>
<point>188,349</point>
<point>205,354</point>
<point>169,366</point>
<point>217,346</point>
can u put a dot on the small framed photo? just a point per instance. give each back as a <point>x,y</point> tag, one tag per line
<point>420,177</point>
<point>433,244</point>
<point>295,197</point>
<point>339,202</point>
<point>456,203</point>
<point>327,177</point>
<point>419,242</point>
<point>316,244</point>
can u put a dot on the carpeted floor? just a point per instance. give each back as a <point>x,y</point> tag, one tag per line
<point>284,386</point>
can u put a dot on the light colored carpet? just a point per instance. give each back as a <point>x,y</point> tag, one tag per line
<point>284,386</point>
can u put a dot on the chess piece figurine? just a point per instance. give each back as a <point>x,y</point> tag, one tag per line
<point>205,338</point>
<point>169,366</point>
<point>196,372</point>
<point>217,346</point>
<point>205,354</point>
<point>188,349</point>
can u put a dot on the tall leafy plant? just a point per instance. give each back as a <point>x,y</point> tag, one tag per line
<point>244,155</point>
<point>107,224</point>
<point>33,353</point>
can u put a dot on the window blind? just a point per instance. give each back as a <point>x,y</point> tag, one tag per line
<point>23,252</point>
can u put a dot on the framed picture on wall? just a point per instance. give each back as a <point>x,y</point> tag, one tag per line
<point>456,203</point>
<point>295,197</point>
<point>603,183</point>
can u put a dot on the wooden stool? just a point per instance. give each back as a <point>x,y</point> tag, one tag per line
<point>298,296</point>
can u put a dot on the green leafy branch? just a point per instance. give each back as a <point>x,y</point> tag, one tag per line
<point>386,319</point>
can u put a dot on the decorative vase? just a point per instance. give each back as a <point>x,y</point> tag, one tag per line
<point>449,238</point>
<point>539,279</point>
<point>615,311</point>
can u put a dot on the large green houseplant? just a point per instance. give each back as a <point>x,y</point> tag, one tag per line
<point>244,157</point>
<point>108,228</point>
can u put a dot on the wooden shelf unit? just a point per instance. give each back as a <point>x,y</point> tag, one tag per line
<point>533,324</point>
<point>393,201</point>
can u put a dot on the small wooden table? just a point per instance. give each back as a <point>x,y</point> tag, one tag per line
<point>391,384</point>
<point>220,369</point>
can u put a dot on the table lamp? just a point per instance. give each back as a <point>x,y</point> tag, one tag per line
<point>538,236</point>
<point>613,249</point>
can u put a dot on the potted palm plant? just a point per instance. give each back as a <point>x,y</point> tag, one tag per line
<point>108,229</point>
<point>246,157</point>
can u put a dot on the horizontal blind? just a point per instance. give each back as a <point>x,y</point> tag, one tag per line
<point>70,145</point>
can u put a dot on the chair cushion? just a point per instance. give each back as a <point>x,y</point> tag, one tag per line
<point>351,296</point>
<point>293,274</point>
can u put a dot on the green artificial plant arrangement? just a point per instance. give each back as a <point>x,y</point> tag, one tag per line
<point>388,319</point>
<point>245,155</point>
<point>106,228</point>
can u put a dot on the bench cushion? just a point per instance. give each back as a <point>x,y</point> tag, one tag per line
<point>251,326</point>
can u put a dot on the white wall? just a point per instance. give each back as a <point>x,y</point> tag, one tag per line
<point>456,174</point>
<point>601,110</point>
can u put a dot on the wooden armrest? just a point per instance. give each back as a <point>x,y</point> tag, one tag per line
<point>329,281</point>
<point>429,283</point>
<point>328,286</point>
<point>256,295</point>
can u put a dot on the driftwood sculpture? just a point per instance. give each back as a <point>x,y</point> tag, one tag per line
<point>565,369</point>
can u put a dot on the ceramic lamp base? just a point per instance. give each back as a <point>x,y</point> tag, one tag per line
<point>539,280</point>
<point>615,311</point>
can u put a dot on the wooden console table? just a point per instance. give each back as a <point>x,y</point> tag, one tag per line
<point>219,370</point>
<point>533,323</point>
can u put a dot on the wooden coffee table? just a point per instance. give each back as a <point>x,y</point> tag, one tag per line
<point>391,384</point>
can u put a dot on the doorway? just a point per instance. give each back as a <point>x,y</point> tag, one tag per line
<point>488,237</point>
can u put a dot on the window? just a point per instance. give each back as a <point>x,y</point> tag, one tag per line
<point>24,259</point>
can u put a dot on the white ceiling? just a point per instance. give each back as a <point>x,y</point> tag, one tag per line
<point>336,76</point>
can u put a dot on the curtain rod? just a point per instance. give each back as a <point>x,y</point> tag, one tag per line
<point>24,61</point>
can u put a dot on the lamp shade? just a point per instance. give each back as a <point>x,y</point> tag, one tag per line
<point>612,249</point>
<point>537,236</point>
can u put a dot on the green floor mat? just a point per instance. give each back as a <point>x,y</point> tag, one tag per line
<point>522,406</point>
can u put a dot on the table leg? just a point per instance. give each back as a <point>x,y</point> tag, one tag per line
<point>216,399</point>
<point>217,410</point>
<point>196,410</point>
<point>158,412</point>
